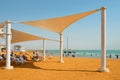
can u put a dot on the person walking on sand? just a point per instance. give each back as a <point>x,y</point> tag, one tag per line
<point>110,56</point>
<point>117,56</point>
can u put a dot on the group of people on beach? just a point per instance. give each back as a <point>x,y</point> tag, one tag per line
<point>21,58</point>
<point>69,53</point>
<point>110,56</point>
<point>18,59</point>
<point>36,56</point>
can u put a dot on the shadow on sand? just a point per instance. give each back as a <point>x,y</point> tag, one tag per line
<point>69,70</point>
<point>30,64</point>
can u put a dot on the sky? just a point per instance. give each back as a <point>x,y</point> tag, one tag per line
<point>83,34</point>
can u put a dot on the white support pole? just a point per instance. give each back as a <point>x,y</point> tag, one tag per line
<point>61,48</point>
<point>8,45</point>
<point>67,46</point>
<point>103,41</point>
<point>44,53</point>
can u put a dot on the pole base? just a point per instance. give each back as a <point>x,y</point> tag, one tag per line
<point>61,61</point>
<point>8,68</point>
<point>44,59</point>
<point>103,70</point>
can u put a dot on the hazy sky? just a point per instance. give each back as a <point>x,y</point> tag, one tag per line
<point>83,34</point>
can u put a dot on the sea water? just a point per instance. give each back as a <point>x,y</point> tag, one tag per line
<point>87,53</point>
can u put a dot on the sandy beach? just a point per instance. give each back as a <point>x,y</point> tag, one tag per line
<point>71,69</point>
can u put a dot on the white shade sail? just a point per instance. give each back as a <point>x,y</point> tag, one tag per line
<point>59,24</point>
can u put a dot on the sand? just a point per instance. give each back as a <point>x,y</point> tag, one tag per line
<point>71,69</point>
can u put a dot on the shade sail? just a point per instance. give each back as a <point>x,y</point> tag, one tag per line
<point>1,36</point>
<point>58,24</point>
<point>18,36</point>
<point>1,33</point>
<point>2,24</point>
<point>1,29</point>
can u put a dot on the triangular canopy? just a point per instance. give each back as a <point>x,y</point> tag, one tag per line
<point>1,36</point>
<point>1,29</point>
<point>58,24</point>
<point>18,36</point>
<point>2,24</point>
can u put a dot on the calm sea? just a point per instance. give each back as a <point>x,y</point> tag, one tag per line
<point>86,53</point>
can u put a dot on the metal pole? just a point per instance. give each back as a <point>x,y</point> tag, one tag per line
<point>8,45</point>
<point>61,48</point>
<point>44,53</point>
<point>103,40</point>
